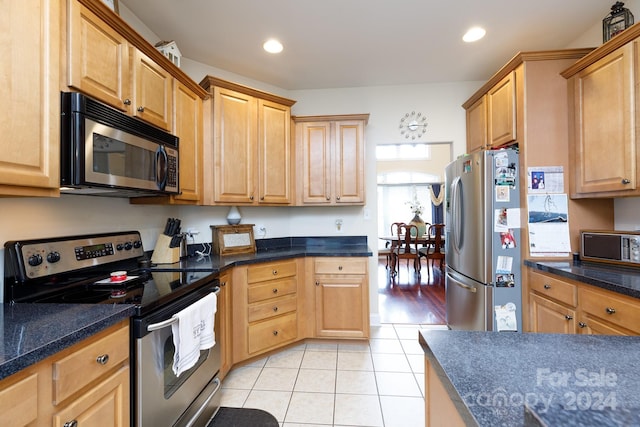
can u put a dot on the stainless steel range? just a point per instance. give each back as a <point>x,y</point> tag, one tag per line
<point>104,269</point>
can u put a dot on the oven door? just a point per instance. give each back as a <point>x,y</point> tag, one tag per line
<point>160,397</point>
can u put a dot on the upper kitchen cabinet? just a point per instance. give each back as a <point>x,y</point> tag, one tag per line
<point>251,155</point>
<point>525,103</point>
<point>30,71</point>
<point>330,159</point>
<point>603,102</point>
<point>105,66</point>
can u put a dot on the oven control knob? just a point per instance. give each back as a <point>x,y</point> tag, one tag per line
<point>119,246</point>
<point>35,259</point>
<point>137,244</point>
<point>53,257</point>
<point>128,246</point>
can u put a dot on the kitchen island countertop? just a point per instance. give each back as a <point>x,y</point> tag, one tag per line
<point>33,332</point>
<point>491,376</point>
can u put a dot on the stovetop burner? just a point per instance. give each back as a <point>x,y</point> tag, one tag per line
<point>80,271</point>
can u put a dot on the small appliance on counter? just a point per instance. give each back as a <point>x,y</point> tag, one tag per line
<point>612,247</point>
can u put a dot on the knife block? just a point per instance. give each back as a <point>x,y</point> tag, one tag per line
<point>162,253</point>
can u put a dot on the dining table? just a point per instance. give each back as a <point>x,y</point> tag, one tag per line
<point>391,241</point>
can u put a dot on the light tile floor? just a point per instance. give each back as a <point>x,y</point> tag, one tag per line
<point>379,383</point>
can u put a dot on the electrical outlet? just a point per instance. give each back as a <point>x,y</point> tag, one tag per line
<point>260,231</point>
<point>192,232</point>
<point>366,213</point>
<point>339,225</point>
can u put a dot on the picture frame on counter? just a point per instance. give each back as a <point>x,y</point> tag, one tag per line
<point>112,4</point>
<point>233,239</point>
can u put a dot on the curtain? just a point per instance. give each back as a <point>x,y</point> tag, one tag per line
<point>437,197</point>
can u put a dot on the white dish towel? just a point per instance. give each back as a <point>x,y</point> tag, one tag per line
<point>192,332</point>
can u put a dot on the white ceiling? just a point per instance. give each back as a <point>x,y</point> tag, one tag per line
<point>351,43</point>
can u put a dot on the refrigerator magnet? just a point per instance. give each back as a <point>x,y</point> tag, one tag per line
<point>505,281</point>
<point>504,264</point>
<point>502,193</point>
<point>507,239</point>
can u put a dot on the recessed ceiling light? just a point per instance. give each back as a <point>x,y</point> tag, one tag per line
<point>272,46</point>
<point>474,34</point>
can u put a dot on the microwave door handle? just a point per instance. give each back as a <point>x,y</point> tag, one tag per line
<point>162,165</point>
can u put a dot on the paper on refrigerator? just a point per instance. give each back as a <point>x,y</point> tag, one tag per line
<point>548,225</point>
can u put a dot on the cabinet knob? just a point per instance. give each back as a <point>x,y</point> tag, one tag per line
<point>102,359</point>
<point>262,198</point>
<point>72,423</point>
<point>317,283</point>
<point>568,317</point>
<point>275,333</point>
<point>275,272</point>
<point>141,109</point>
<point>547,286</point>
<point>340,267</point>
<point>328,198</point>
<point>275,308</point>
<point>582,324</point>
<point>337,197</point>
<point>626,181</point>
<point>251,198</point>
<point>223,283</point>
<point>275,290</point>
<point>127,101</point>
<point>610,310</point>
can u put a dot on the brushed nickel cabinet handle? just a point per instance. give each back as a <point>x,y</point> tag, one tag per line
<point>72,423</point>
<point>141,109</point>
<point>626,181</point>
<point>547,286</point>
<point>102,359</point>
<point>610,310</point>
<point>582,324</point>
<point>568,317</point>
<point>127,101</point>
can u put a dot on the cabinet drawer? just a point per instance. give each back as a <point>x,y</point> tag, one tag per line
<point>613,309</point>
<point>261,273</point>
<point>80,368</point>
<point>271,289</point>
<point>19,401</point>
<point>344,265</point>
<point>553,288</point>
<point>271,308</point>
<point>272,333</point>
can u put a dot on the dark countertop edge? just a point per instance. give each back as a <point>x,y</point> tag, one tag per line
<point>23,361</point>
<point>548,266</point>
<point>456,399</point>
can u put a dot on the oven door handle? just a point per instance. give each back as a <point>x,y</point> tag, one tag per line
<point>170,321</point>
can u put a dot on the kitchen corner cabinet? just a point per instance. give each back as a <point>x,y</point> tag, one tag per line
<point>251,157</point>
<point>330,154</point>
<point>31,92</point>
<point>603,114</point>
<point>74,385</point>
<point>265,307</point>
<point>341,297</point>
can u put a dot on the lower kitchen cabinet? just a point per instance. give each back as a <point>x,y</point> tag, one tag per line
<point>223,327</point>
<point>439,408</point>
<point>264,307</point>
<point>341,297</point>
<point>566,306</point>
<point>87,383</point>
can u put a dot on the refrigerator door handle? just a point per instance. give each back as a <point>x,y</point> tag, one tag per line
<point>457,212</point>
<point>467,287</point>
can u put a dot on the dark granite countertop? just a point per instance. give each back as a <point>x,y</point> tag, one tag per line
<point>491,376</point>
<point>273,250</point>
<point>33,332</point>
<point>622,280</point>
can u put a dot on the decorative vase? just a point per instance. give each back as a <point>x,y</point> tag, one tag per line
<point>418,222</point>
<point>233,217</point>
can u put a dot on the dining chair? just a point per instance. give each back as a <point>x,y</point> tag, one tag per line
<point>407,248</point>
<point>434,250</point>
<point>391,243</point>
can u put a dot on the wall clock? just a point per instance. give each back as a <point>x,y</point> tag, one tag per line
<point>413,125</point>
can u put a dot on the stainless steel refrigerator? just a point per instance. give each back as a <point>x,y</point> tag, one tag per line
<point>482,241</point>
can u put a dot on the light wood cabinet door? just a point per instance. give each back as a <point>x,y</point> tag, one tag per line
<point>548,316</point>
<point>98,58</point>
<point>607,311</point>
<point>224,330</point>
<point>477,125</point>
<point>349,162</point>
<point>234,123</point>
<point>30,89</point>
<point>314,145</point>
<point>274,153</point>
<point>153,96</point>
<point>604,124</point>
<point>342,297</point>
<point>501,107</point>
<point>187,125</point>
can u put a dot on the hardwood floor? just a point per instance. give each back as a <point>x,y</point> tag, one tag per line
<point>411,299</point>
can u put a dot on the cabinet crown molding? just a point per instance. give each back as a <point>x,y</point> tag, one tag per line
<point>325,118</point>
<point>209,82</point>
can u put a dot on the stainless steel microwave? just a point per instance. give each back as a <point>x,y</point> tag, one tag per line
<point>105,152</point>
<point>616,247</point>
